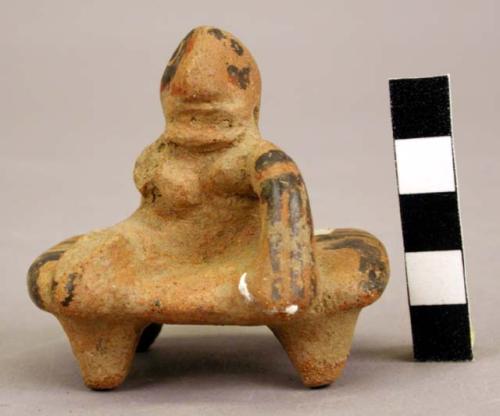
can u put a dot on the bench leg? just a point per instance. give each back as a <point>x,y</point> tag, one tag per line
<point>148,336</point>
<point>105,350</point>
<point>319,347</point>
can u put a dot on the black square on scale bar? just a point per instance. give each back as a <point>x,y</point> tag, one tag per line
<point>441,332</point>
<point>420,107</point>
<point>430,221</point>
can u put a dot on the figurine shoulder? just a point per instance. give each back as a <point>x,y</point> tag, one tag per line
<point>266,156</point>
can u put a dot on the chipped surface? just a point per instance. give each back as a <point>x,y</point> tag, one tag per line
<point>243,288</point>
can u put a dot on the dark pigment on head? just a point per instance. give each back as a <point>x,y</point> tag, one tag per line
<point>174,61</point>
<point>237,47</point>
<point>217,33</point>
<point>241,76</point>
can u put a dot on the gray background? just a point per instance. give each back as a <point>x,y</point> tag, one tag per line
<point>79,100</point>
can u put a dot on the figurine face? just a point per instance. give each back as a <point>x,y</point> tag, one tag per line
<point>210,90</point>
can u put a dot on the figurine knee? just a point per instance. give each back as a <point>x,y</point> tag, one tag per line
<point>353,268</point>
<point>41,273</point>
<point>93,265</point>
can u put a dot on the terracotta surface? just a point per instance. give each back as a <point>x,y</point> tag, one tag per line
<point>223,235</point>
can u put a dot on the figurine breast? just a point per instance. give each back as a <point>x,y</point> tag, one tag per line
<point>177,184</point>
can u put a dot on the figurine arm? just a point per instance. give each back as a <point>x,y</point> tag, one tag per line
<point>285,281</point>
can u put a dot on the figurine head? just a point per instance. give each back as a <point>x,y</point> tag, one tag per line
<point>210,90</point>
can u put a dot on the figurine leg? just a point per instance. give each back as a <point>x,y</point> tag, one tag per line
<point>104,350</point>
<point>148,336</point>
<point>318,348</point>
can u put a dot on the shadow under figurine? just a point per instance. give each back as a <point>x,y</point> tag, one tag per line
<point>223,236</point>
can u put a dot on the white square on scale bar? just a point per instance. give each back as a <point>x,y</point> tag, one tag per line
<point>425,165</point>
<point>436,277</point>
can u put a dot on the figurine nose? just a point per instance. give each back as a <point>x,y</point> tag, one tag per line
<point>197,81</point>
<point>201,74</point>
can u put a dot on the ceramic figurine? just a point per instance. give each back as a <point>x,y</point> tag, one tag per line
<point>223,236</point>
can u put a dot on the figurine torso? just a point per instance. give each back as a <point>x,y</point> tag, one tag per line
<point>203,194</point>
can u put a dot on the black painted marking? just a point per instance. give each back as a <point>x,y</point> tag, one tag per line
<point>69,241</point>
<point>275,291</point>
<point>70,288</point>
<point>274,242</point>
<point>441,332</point>
<point>273,190</point>
<point>420,107</point>
<point>271,193</point>
<point>271,158</point>
<point>309,218</point>
<point>217,33</point>
<point>295,211</point>
<point>237,47</point>
<point>241,76</point>
<point>341,233</point>
<point>34,271</point>
<point>370,261</point>
<point>297,268</point>
<point>430,221</point>
<point>284,181</point>
<point>53,287</point>
<point>174,61</point>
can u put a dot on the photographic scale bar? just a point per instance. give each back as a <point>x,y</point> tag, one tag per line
<point>427,186</point>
